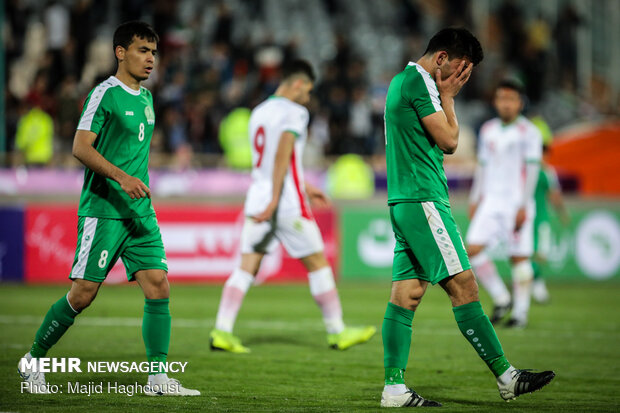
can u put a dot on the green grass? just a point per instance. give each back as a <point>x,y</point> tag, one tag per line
<point>291,369</point>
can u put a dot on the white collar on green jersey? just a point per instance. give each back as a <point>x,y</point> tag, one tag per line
<point>419,67</point>
<point>124,86</point>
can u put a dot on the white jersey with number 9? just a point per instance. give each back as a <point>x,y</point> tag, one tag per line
<point>268,121</point>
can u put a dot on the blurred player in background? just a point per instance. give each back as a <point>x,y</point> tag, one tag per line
<point>420,126</point>
<point>548,190</point>
<point>277,210</point>
<point>502,202</point>
<point>116,217</point>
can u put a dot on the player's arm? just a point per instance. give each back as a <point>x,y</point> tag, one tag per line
<point>317,197</point>
<point>531,179</point>
<point>443,125</point>
<point>532,156</point>
<point>84,151</point>
<point>556,198</point>
<point>280,166</point>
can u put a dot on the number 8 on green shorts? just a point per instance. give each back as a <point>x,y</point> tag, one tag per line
<point>428,243</point>
<point>101,241</point>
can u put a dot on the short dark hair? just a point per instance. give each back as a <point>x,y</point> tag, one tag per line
<point>458,43</point>
<point>123,35</point>
<point>298,67</point>
<point>513,84</point>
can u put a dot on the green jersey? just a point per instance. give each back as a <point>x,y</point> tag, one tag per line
<point>414,161</point>
<point>547,182</point>
<point>123,120</point>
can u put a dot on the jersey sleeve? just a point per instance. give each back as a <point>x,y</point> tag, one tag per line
<point>421,92</point>
<point>532,145</point>
<point>96,111</point>
<point>296,121</point>
<point>483,149</point>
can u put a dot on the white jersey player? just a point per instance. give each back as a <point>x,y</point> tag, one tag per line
<point>277,210</point>
<point>502,202</point>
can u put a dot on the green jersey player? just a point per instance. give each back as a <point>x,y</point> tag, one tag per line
<point>420,127</point>
<point>115,215</point>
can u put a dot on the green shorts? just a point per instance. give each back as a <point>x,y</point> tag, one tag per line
<point>101,241</point>
<point>428,242</point>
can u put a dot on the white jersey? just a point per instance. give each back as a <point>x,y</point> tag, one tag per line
<point>504,151</point>
<point>268,121</point>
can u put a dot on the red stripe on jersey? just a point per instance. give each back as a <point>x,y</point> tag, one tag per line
<point>305,211</point>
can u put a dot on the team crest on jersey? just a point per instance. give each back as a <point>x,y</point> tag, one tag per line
<point>150,115</point>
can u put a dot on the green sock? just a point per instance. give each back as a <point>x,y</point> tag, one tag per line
<point>396,332</point>
<point>156,325</point>
<point>57,320</point>
<point>536,267</point>
<point>479,331</point>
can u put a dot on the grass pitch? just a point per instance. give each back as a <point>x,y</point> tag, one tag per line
<point>291,369</point>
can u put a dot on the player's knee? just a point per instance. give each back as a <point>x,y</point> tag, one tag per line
<point>409,299</point>
<point>522,271</point>
<point>159,287</point>
<point>79,299</point>
<point>462,288</point>
<point>415,298</point>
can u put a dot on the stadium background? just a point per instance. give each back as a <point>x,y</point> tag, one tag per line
<point>218,59</point>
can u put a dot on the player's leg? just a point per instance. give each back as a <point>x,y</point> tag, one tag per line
<point>233,293</point>
<point>478,330</point>
<point>57,321</point>
<point>473,323</point>
<point>522,278</point>
<point>409,282</point>
<point>95,254</point>
<point>156,326</point>
<point>487,274</point>
<point>325,294</point>
<point>485,228</point>
<point>257,239</point>
<point>156,322</point>
<point>323,290</point>
<point>145,262</point>
<point>521,249</point>
<point>396,331</point>
<point>62,314</point>
<point>542,248</point>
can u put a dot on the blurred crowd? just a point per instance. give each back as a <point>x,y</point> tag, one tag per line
<point>219,56</point>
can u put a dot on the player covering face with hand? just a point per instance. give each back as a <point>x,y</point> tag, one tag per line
<point>420,127</point>
<point>277,210</point>
<point>116,217</point>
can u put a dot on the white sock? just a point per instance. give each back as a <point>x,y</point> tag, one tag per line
<point>487,274</point>
<point>506,376</point>
<point>323,290</point>
<point>395,389</point>
<point>522,276</point>
<point>233,294</point>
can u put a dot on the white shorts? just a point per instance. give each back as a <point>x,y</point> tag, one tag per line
<point>493,226</point>
<point>299,236</point>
